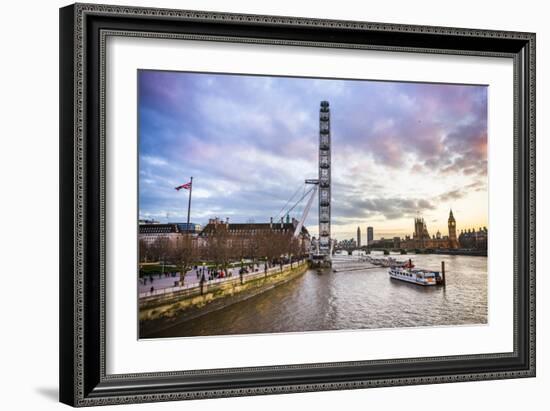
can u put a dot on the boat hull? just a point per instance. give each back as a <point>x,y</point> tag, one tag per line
<point>414,278</point>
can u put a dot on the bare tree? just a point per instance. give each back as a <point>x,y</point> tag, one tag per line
<point>268,245</point>
<point>144,251</point>
<point>264,242</point>
<point>158,249</point>
<point>183,253</point>
<point>252,246</point>
<point>294,248</point>
<point>238,246</point>
<point>220,246</point>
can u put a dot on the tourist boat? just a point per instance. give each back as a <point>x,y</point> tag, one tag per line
<point>385,262</point>
<point>392,262</point>
<point>416,276</point>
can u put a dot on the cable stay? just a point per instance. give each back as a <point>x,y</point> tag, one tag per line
<point>301,198</point>
<point>311,192</point>
<point>280,213</point>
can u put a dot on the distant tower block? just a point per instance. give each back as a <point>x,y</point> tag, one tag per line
<point>324,179</point>
<point>370,235</point>
<point>358,237</point>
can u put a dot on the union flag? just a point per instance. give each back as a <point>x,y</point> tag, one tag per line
<point>186,186</point>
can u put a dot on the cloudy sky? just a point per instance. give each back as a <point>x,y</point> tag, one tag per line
<point>398,150</point>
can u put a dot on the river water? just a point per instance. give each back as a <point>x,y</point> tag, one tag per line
<point>354,298</point>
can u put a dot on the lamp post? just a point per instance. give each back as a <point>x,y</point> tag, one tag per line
<point>201,281</point>
<point>241,270</point>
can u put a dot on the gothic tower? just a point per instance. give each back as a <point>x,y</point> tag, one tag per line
<point>453,243</point>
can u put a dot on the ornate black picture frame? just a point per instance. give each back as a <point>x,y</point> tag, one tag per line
<point>83,30</point>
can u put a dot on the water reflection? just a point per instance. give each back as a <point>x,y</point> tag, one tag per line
<point>354,299</point>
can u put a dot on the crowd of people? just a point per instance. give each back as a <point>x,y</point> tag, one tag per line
<point>206,273</point>
<point>211,273</point>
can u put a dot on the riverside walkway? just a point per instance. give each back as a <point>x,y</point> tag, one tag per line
<point>163,284</point>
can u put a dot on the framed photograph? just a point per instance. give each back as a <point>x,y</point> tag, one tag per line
<point>261,204</point>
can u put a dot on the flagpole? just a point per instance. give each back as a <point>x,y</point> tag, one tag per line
<point>189,205</point>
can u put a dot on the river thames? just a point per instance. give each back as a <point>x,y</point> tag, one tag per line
<point>354,298</point>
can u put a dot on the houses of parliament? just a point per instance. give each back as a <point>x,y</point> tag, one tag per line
<point>472,239</point>
<point>421,238</point>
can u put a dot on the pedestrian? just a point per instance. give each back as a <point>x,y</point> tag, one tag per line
<point>152,289</point>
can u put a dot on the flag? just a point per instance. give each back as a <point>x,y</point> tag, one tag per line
<point>187,186</point>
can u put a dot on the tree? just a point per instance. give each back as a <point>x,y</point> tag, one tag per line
<point>270,245</point>
<point>220,247</point>
<point>253,247</point>
<point>265,244</point>
<point>295,247</point>
<point>158,249</point>
<point>144,251</point>
<point>183,252</point>
<point>238,246</point>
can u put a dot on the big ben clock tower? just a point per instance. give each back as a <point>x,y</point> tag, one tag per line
<point>453,243</point>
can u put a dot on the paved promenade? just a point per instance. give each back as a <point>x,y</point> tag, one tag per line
<point>161,282</point>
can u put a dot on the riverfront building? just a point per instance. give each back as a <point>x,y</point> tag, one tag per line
<point>254,231</point>
<point>148,221</point>
<point>421,238</point>
<point>347,244</point>
<point>151,232</point>
<point>474,239</point>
